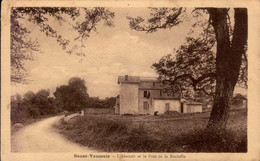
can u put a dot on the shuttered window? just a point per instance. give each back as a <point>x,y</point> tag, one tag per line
<point>145,93</point>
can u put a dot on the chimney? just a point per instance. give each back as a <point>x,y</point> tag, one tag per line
<point>126,77</point>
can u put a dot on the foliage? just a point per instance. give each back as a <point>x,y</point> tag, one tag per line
<point>22,46</point>
<point>160,18</point>
<point>44,103</point>
<point>192,69</point>
<point>72,97</point>
<point>95,102</point>
<point>243,74</point>
<point>32,105</point>
<point>18,111</point>
<point>21,49</point>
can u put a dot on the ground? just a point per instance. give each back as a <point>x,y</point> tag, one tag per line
<point>42,137</point>
<point>171,132</point>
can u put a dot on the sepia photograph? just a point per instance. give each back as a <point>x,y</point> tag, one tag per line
<point>109,82</point>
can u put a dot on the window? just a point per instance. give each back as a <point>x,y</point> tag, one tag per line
<point>153,83</point>
<point>161,93</point>
<point>145,93</point>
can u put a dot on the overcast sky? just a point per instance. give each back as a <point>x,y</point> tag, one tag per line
<point>110,52</point>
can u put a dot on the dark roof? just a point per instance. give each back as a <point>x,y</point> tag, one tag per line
<point>165,98</point>
<point>136,79</point>
<point>239,96</point>
<point>130,79</point>
<point>149,79</point>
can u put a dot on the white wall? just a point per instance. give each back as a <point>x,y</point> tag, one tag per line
<point>159,105</point>
<point>197,108</point>
<point>129,99</point>
<point>191,108</point>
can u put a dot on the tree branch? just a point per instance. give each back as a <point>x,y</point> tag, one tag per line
<point>194,81</point>
<point>171,20</point>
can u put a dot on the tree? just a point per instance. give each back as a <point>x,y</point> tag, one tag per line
<point>193,60</point>
<point>29,102</point>
<point>95,102</point>
<point>110,102</point>
<point>22,46</point>
<point>54,106</point>
<point>32,106</point>
<point>72,97</point>
<point>18,112</point>
<point>43,103</point>
<point>230,47</point>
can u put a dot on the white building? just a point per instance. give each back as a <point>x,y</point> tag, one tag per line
<point>144,95</point>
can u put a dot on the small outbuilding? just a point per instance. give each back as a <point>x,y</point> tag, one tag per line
<point>239,101</point>
<point>162,105</point>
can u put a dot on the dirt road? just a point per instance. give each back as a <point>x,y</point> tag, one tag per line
<point>41,137</point>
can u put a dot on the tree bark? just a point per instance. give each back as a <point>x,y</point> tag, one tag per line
<point>228,62</point>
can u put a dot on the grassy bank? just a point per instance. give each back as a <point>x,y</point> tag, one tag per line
<point>115,133</point>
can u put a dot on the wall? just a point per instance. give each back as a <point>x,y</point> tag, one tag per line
<point>191,108</point>
<point>142,99</point>
<point>128,98</point>
<point>149,84</point>
<point>197,108</point>
<point>159,105</point>
<point>154,88</point>
<point>98,110</point>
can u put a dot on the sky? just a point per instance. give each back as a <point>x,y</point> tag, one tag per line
<point>110,52</point>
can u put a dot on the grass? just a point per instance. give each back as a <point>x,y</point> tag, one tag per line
<point>114,133</point>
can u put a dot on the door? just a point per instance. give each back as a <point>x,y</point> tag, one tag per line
<point>146,108</point>
<point>181,107</point>
<point>189,109</point>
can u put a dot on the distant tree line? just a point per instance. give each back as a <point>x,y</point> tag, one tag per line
<point>95,102</point>
<point>71,97</point>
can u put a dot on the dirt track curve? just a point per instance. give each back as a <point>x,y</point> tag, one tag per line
<point>41,137</point>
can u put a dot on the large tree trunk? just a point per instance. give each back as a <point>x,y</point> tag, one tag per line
<point>228,62</point>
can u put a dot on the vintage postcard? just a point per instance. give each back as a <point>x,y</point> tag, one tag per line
<point>130,80</point>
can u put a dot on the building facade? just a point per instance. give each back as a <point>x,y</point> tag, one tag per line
<point>144,95</point>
